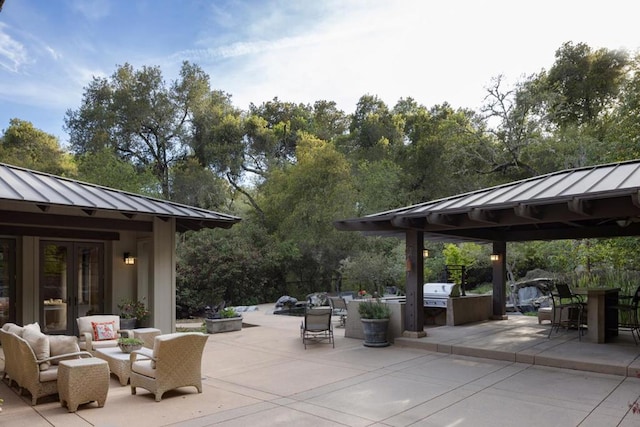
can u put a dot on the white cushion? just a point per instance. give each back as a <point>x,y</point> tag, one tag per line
<point>144,367</point>
<point>39,343</point>
<point>63,344</point>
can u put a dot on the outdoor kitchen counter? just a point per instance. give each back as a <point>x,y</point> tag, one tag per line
<point>468,309</point>
<point>602,320</point>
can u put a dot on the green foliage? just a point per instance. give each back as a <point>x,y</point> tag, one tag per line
<point>133,309</point>
<point>290,170</point>
<point>135,114</point>
<point>24,145</point>
<point>105,168</point>
<point>228,313</point>
<point>379,264</point>
<point>130,341</point>
<point>373,309</point>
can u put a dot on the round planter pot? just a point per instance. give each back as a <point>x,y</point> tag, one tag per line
<point>375,332</point>
<point>128,348</point>
<point>229,324</point>
<point>127,324</point>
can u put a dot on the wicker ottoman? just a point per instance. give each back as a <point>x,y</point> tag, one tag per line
<point>82,381</point>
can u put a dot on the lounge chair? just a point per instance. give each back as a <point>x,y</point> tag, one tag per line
<point>316,326</point>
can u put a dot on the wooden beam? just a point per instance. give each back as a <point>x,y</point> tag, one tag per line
<point>579,206</point>
<point>69,221</point>
<point>63,233</point>
<point>483,215</point>
<point>528,212</point>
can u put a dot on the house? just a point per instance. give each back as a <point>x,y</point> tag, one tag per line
<point>69,248</point>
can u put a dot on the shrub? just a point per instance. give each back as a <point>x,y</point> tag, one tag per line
<point>374,310</point>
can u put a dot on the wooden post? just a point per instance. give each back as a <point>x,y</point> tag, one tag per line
<point>499,281</point>
<point>414,309</point>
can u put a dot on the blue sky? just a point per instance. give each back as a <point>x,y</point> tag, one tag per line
<point>297,50</point>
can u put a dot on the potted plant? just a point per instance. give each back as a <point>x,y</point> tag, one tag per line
<point>127,345</point>
<point>132,313</point>
<point>224,320</point>
<point>375,322</point>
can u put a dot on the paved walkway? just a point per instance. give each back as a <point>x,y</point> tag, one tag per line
<point>262,376</point>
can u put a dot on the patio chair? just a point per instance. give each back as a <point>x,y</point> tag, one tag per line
<point>316,326</point>
<point>565,299</point>
<point>100,331</point>
<point>339,308</point>
<point>175,361</point>
<point>628,313</point>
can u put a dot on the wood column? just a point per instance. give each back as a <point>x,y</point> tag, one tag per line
<point>499,281</point>
<point>414,266</point>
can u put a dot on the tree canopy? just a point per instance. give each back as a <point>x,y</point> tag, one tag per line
<point>291,169</point>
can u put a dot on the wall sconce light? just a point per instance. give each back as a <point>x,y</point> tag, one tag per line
<point>129,259</point>
<point>495,257</point>
<point>425,253</point>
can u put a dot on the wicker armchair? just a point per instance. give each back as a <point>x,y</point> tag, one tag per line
<point>26,369</point>
<point>85,330</point>
<point>176,361</point>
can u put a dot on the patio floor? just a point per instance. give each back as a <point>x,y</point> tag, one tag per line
<point>262,376</point>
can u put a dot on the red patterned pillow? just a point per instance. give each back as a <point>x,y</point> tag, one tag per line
<point>104,331</point>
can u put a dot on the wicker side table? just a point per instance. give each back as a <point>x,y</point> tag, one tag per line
<point>82,381</point>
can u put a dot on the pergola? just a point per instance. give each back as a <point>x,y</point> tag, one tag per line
<point>588,202</point>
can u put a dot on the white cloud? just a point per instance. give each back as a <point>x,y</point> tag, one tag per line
<point>13,54</point>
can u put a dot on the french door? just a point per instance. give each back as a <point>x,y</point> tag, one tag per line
<point>7,281</point>
<point>71,284</point>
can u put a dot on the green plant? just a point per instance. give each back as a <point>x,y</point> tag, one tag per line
<point>130,309</point>
<point>228,313</point>
<point>130,341</point>
<point>374,310</point>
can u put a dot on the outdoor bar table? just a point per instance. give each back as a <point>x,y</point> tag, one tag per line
<point>602,318</point>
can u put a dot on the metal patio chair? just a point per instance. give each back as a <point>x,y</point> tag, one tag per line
<point>628,313</point>
<point>339,308</point>
<point>565,299</point>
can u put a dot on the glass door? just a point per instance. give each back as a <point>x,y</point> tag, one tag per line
<point>7,281</point>
<point>71,284</point>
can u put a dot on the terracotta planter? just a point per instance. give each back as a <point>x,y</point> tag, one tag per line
<point>215,326</point>
<point>375,332</point>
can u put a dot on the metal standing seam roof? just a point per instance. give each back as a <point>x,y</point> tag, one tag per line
<point>568,188</point>
<point>24,185</point>
<point>586,182</point>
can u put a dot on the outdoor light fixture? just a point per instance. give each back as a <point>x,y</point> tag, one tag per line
<point>495,257</point>
<point>128,259</point>
<point>425,253</point>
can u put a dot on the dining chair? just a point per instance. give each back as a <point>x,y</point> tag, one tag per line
<point>564,299</point>
<point>628,313</point>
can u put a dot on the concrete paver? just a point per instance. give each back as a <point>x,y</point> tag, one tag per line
<point>262,376</point>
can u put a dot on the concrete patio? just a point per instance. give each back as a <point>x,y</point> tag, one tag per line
<point>499,373</point>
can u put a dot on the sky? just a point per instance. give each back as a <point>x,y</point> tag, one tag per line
<point>300,51</point>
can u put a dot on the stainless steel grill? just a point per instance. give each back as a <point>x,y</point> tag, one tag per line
<point>436,294</point>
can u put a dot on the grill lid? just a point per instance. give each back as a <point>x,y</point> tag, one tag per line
<point>440,290</point>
